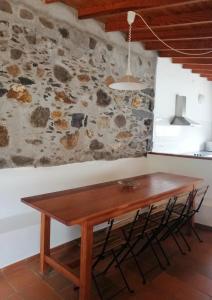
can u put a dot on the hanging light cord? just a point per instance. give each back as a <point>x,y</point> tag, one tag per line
<point>168,46</point>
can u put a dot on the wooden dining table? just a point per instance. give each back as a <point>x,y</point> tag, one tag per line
<point>95,204</point>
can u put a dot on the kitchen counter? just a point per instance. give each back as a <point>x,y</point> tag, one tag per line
<point>194,155</point>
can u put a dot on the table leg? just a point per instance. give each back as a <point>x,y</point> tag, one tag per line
<point>86,261</point>
<point>44,241</point>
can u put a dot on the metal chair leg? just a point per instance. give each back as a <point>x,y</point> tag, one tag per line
<point>163,251</point>
<point>138,266</point>
<point>196,234</point>
<point>97,287</point>
<point>157,257</point>
<point>177,243</point>
<point>185,240</point>
<point>121,272</point>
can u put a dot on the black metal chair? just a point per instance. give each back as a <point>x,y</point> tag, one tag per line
<point>185,217</point>
<point>145,230</point>
<point>110,242</point>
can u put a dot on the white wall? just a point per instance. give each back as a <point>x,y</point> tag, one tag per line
<point>172,79</point>
<point>19,224</point>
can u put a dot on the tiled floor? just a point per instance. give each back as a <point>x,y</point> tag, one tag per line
<point>188,278</point>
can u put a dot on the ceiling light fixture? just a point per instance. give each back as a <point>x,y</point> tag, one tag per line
<point>128,82</point>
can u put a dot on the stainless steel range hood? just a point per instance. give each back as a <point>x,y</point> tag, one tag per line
<point>180,112</point>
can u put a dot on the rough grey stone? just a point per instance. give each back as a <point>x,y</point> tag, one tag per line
<point>149,92</point>
<point>26,14</point>
<point>35,142</point>
<point>16,54</point>
<point>3,163</point>
<point>120,121</point>
<point>102,98</point>
<point>3,92</point>
<point>61,74</point>
<point>45,161</point>
<point>17,29</point>
<point>22,161</point>
<point>92,43</point>
<point>26,81</point>
<point>40,116</point>
<point>96,145</point>
<point>5,6</point>
<point>45,22</point>
<point>77,120</point>
<point>102,155</point>
<point>64,32</point>
<point>141,114</point>
<point>31,39</point>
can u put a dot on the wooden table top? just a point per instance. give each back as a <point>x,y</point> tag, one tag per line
<point>98,203</point>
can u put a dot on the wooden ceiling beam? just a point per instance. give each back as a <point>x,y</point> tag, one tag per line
<point>197,66</point>
<point>171,53</point>
<point>189,60</point>
<point>119,23</point>
<point>201,44</point>
<point>177,33</point>
<point>105,7</point>
<point>207,72</point>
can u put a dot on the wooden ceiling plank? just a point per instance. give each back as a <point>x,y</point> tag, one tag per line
<point>189,60</point>
<point>106,7</point>
<point>174,33</point>
<point>197,66</point>
<point>201,44</point>
<point>197,71</point>
<point>119,23</point>
<point>171,53</point>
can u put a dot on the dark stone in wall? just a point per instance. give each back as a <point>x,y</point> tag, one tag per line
<point>61,74</point>
<point>64,32</point>
<point>3,92</point>
<point>26,14</point>
<point>5,6</point>
<point>77,120</point>
<point>3,163</point>
<point>141,114</point>
<point>149,92</point>
<point>17,29</point>
<point>96,145</point>
<point>105,155</point>
<point>35,142</point>
<point>16,53</point>
<point>45,161</point>
<point>22,161</point>
<point>4,137</point>
<point>120,121</point>
<point>92,43</point>
<point>45,22</point>
<point>148,122</point>
<point>102,98</point>
<point>26,81</point>
<point>40,116</point>
<point>31,39</point>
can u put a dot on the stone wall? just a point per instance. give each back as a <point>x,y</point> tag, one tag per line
<point>55,106</point>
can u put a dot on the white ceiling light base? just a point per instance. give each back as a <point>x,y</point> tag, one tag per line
<point>126,83</point>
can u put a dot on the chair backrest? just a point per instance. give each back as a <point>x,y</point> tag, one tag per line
<point>119,222</point>
<point>199,197</point>
<point>157,215</point>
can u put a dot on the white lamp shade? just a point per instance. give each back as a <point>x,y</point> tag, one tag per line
<point>126,83</point>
